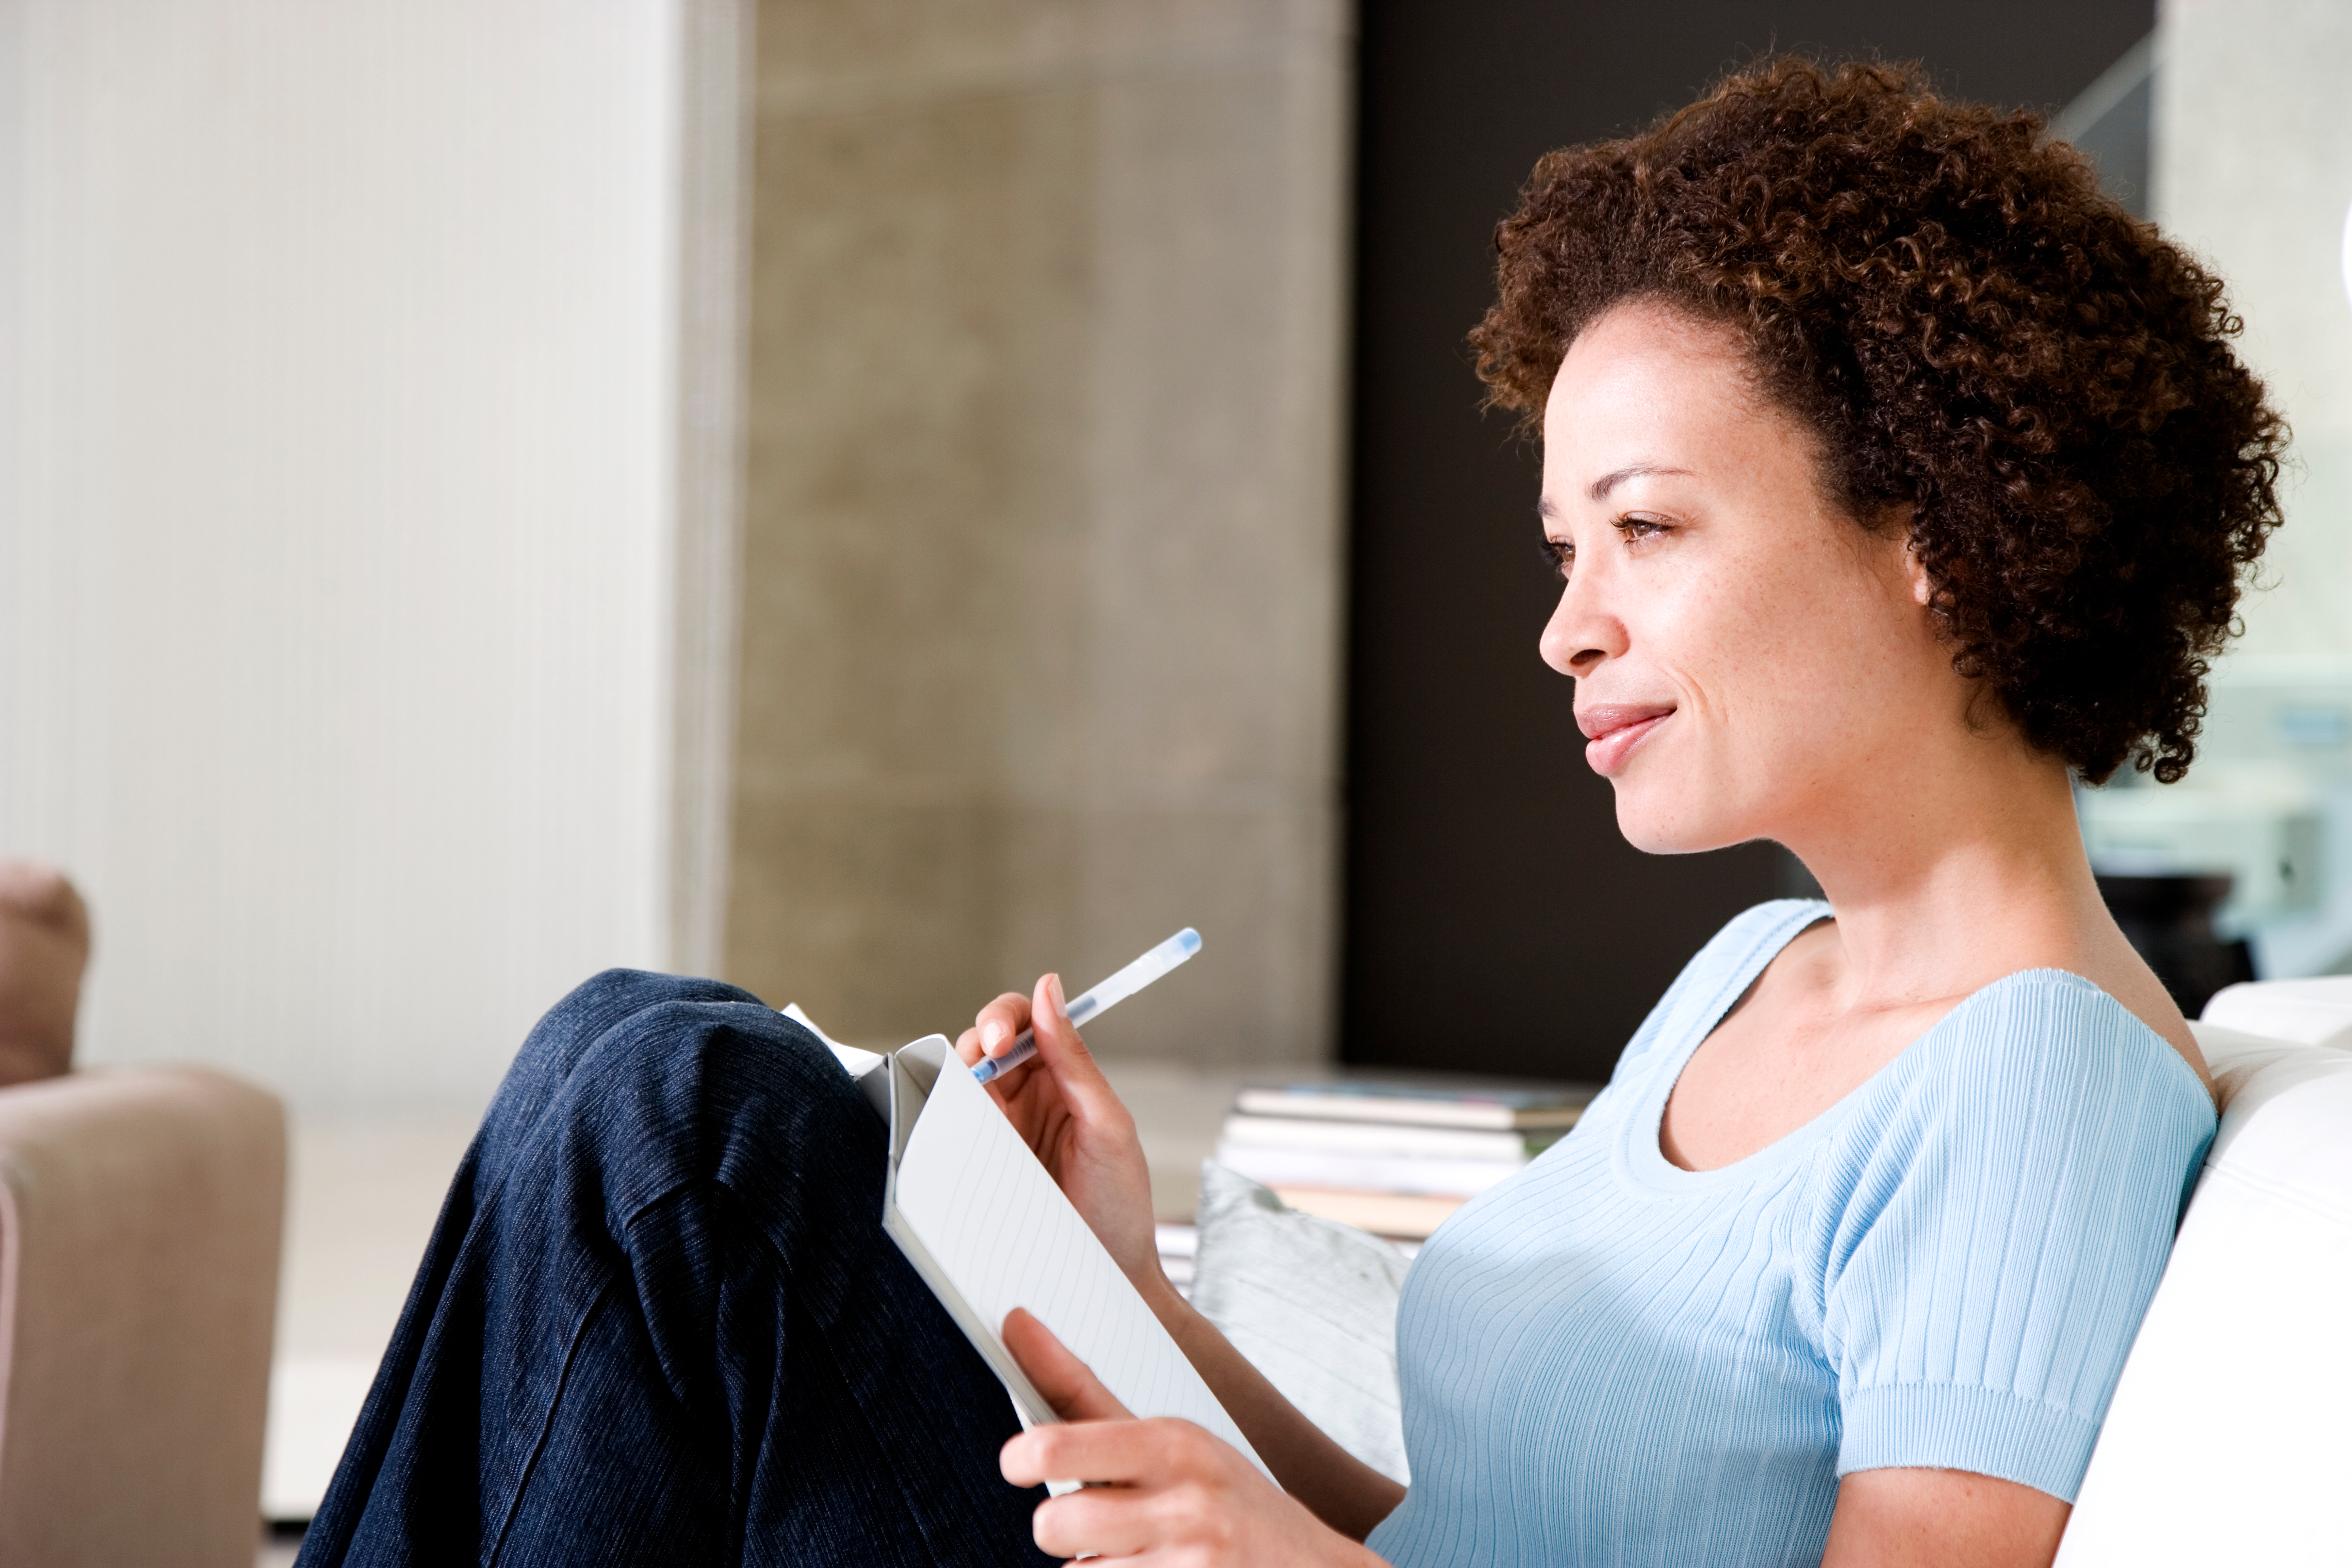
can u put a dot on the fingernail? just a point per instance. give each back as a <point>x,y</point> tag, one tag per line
<point>1054,995</point>
<point>992,1034</point>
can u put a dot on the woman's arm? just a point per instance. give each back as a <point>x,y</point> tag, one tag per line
<point>1162,1487</point>
<point>1344,1492</point>
<point>1941,1518</point>
<point>1064,1106</point>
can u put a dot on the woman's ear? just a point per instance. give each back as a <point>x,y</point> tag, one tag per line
<point>1915,570</point>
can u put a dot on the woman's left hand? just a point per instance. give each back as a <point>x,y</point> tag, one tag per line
<point>1162,1486</point>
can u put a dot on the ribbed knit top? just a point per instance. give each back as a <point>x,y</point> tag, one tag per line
<point>1609,1359</point>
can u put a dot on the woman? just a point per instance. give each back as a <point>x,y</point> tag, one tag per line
<point>1894,477</point>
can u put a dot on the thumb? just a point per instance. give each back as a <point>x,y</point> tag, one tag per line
<point>1076,1072</point>
<point>1068,1384</point>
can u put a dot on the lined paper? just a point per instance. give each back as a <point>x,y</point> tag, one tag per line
<point>995,1223</point>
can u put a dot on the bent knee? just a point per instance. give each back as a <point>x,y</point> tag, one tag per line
<point>693,1089</point>
<point>594,1010</point>
<point>654,1059</point>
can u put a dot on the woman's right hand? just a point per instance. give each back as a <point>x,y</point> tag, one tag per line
<point>1064,1110</point>
<point>1174,1493</point>
<point>1061,1105</point>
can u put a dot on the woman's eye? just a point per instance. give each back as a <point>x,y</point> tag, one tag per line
<point>1637,528</point>
<point>1559,554</point>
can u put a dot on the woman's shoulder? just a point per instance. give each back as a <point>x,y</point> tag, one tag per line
<point>2041,1054</point>
<point>2040,1095</point>
<point>2045,1015</point>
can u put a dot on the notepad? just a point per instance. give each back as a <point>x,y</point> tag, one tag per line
<point>988,1229</point>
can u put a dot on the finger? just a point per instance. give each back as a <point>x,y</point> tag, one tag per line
<point>1101,1521</point>
<point>1068,1384</point>
<point>1156,1453</point>
<point>1076,1072</point>
<point>994,1030</point>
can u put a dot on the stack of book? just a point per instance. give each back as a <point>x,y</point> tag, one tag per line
<point>1391,1158</point>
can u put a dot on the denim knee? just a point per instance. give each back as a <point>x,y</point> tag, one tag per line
<point>665,1070</point>
<point>603,1001</point>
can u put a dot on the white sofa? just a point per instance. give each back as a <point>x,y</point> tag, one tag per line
<point>2230,1439</point>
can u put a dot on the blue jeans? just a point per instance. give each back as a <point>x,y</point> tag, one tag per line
<point>659,1322</point>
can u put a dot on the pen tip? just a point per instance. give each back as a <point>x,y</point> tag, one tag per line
<point>1189,940</point>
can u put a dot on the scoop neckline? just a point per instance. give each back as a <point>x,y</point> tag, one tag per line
<point>1646,1160</point>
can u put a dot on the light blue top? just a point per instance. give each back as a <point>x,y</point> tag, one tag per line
<point>1609,1359</point>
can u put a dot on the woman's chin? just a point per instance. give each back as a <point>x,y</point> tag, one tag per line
<point>1657,825</point>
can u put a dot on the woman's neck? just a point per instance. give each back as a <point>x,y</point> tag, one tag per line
<point>1946,872</point>
<point>1959,869</point>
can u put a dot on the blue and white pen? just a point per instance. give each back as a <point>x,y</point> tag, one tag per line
<point>1110,992</point>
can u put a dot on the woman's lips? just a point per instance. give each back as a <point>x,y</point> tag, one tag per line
<point>1612,730</point>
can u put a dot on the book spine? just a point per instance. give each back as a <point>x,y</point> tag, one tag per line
<point>1278,1167</point>
<point>1370,1107</point>
<point>1381,1138</point>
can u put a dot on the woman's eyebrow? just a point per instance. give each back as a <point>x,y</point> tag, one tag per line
<point>1610,481</point>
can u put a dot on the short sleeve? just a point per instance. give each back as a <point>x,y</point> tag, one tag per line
<point>1993,1229</point>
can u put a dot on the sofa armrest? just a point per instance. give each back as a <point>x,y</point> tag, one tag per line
<point>140,1213</point>
<point>2306,1012</point>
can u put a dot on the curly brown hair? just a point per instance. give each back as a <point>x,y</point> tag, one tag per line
<point>1978,335</point>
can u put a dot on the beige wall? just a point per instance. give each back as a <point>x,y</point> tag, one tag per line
<point>1042,555</point>
<point>2254,169</point>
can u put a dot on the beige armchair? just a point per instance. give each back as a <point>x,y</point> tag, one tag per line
<point>140,1211</point>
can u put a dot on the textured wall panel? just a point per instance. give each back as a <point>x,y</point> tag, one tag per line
<point>1042,546</point>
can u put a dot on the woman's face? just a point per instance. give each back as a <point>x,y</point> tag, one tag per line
<point>1747,656</point>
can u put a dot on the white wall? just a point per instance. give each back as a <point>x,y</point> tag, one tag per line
<point>338,518</point>
<point>2252,152</point>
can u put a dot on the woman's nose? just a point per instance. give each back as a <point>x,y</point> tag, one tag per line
<point>1580,637</point>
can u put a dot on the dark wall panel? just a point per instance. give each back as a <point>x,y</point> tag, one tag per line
<point>1496,922</point>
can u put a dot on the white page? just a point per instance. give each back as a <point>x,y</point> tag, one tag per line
<point>996,1224</point>
<point>857,1063</point>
